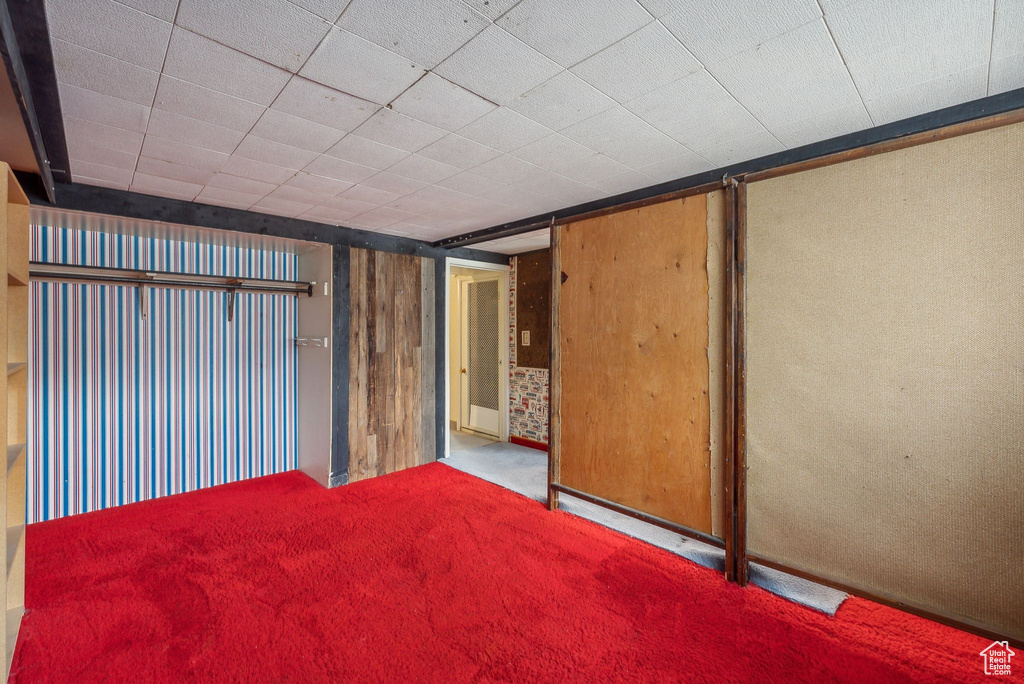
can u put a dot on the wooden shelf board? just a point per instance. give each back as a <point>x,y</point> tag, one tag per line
<point>13,452</point>
<point>13,539</point>
<point>13,368</point>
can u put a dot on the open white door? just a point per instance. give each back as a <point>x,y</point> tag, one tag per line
<point>481,359</point>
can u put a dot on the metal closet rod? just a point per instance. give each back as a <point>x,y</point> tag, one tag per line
<point>40,270</point>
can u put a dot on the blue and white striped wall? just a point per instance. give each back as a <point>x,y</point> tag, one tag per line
<point>124,409</point>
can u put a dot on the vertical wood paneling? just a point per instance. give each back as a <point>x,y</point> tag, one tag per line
<point>391,357</point>
<point>126,409</point>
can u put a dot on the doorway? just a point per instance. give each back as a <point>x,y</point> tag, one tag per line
<point>478,353</point>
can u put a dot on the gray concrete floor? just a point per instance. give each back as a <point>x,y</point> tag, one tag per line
<point>524,471</point>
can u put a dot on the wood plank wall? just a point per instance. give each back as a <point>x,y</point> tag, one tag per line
<point>391,357</point>
<point>632,361</point>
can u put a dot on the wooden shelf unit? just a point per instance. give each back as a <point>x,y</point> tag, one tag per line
<point>14,239</point>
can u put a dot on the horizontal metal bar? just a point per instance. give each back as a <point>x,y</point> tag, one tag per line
<point>641,516</point>
<point>116,276</point>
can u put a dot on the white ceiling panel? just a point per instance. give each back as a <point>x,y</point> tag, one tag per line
<point>431,118</point>
<point>111,28</point>
<point>562,101</point>
<point>425,31</point>
<point>275,31</point>
<point>504,130</point>
<point>358,150</point>
<point>105,109</point>
<point>190,56</point>
<point>637,64</point>
<point>315,102</point>
<point>714,31</point>
<point>497,66</point>
<point>164,124</point>
<point>568,31</point>
<point>101,73</point>
<point>356,66</point>
<point>441,103</point>
<point>220,109</point>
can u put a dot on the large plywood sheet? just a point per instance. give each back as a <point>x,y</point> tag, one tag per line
<point>885,374</point>
<point>633,336</point>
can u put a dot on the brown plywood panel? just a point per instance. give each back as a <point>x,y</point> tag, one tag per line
<point>633,338</point>
<point>716,356</point>
<point>533,309</point>
<point>389,400</point>
<point>885,375</point>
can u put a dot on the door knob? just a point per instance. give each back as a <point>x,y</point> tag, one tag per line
<point>462,370</point>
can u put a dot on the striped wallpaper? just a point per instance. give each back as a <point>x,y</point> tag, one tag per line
<point>123,409</point>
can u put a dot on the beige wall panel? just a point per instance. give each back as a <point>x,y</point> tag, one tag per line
<point>885,374</point>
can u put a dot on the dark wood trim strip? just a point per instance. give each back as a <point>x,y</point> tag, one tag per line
<point>990,106</point>
<point>642,517</point>
<point>555,388</point>
<point>952,131</point>
<point>23,94</point>
<point>532,444</point>
<point>740,390</point>
<point>853,590</point>
<point>730,382</point>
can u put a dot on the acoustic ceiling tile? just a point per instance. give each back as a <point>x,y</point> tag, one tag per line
<point>164,124</point>
<point>694,110</point>
<point>295,132</point>
<point>622,182</point>
<point>366,152</point>
<point>104,109</point>
<point>326,9</point>
<point>1007,30</point>
<point>624,137</point>
<point>678,167</point>
<point>470,183</point>
<point>275,153</point>
<point>101,73</point>
<point>562,101</point>
<point>415,205</point>
<point>239,184</point>
<point>315,102</point>
<point>370,196</point>
<point>187,99</point>
<point>423,169</point>
<point>425,31</point>
<point>396,130</point>
<point>165,169</point>
<point>85,150</point>
<point>199,60</point>
<point>382,217</point>
<point>637,64</point>
<point>567,31</point>
<point>110,28</point>
<point>282,207</point>
<point>751,146</point>
<point>108,137</point>
<point>492,9</point>
<point>112,174</point>
<point>714,31</point>
<point>321,185</point>
<point>293,193</point>
<point>474,66</point>
<point>161,9</point>
<point>1006,73</point>
<point>554,153</point>
<point>506,169</point>
<point>937,93</point>
<point>458,151</point>
<point>256,170</point>
<point>794,76</point>
<point>330,214</point>
<point>339,169</point>
<point>890,45</point>
<point>353,65</point>
<point>353,206</point>
<point>165,187</point>
<point>275,31</point>
<point>444,197</point>
<point>394,184</point>
<point>214,195</point>
<point>504,130</point>
<point>441,103</point>
<point>178,153</point>
<point>823,126</point>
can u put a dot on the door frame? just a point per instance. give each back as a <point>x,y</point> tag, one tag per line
<point>503,271</point>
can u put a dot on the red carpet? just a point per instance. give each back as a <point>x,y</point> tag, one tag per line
<point>427,575</point>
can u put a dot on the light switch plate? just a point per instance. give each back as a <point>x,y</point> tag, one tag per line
<point>526,338</point>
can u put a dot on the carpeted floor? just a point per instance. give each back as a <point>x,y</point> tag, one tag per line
<point>525,471</point>
<point>426,575</point>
